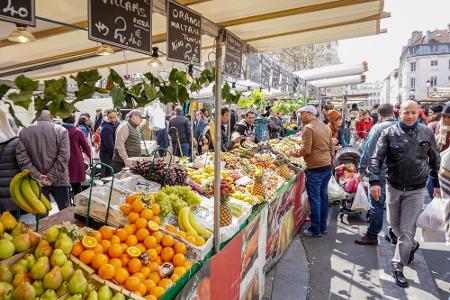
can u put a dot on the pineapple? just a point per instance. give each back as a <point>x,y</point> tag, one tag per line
<point>225,212</point>
<point>257,188</point>
<point>284,171</point>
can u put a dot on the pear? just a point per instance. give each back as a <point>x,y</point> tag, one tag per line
<point>5,289</point>
<point>52,234</point>
<point>38,287</point>
<point>8,220</point>
<point>2,228</point>
<point>30,259</point>
<point>105,293</point>
<point>49,295</point>
<point>25,291</point>
<point>40,268</point>
<point>90,288</point>
<point>18,229</point>
<point>20,266</point>
<point>92,296</point>
<point>65,244</point>
<point>7,236</point>
<point>22,242</point>
<point>5,274</point>
<point>34,238</point>
<point>58,258</point>
<point>62,235</point>
<point>118,296</point>
<point>78,283</point>
<point>6,249</point>
<point>67,270</point>
<point>75,297</point>
<point>43,249</point>
<point>53,279</point>
<point>19,278</point>
<point>63,289</point>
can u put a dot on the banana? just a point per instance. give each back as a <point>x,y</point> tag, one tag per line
<point>183,218</point>
<point>38,190</point>
<point>14,189</point>
<point>30,197</point>
<point>197,227</point>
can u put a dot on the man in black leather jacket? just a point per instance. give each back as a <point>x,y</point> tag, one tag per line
<point>411,155</point>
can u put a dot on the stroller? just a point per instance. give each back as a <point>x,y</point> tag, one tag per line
<point>346,160</point>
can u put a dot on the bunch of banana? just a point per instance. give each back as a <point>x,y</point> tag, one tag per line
<point>189,224</point>
<point>26,193</point>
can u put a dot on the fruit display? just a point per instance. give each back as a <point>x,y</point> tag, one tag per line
<point>258,188</point>
<point>26,193</point>
<point>161,172</point>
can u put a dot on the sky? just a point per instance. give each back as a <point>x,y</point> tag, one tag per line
<point>382,52</point>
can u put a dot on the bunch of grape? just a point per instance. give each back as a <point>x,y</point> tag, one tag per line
<point>160,172</point>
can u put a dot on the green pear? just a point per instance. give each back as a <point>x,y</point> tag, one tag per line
<point>75,297</point>
<point>5,289</point>
<point>5,274</point>
<point>43,249</point>
<point>92,296</point>
<point>19,278</point>
<point>58,258</point>
<point>105,293</point>
<point>53,279</point>
<point>38,287</point>
<point>22,242</point>
<point>78,283</point>
<point>90,288</point>
<point>20,266</point>
<point>6,249</point>
<point>49,295</point>
<point>40,268</point>
<point>65,244</point>
<point>63,289</point>
<point>2,228</point>
<point>52,234</point>
<point>25,291</point>
<point>7,236</point>
<point>67,270</point>
<point>30,259</point>
<point>63,235</point>
<point>8,220</point>
<point>18,229</point>
<point>118,296</point>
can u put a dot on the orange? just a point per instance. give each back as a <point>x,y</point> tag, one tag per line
<point>159,260</point>
<point>132,283</point>
<point>140,223</point>
<point>174,277</point>
<point>187,265</point>
<point>134,265</point>
<point>149,283</point>
<point>98,260</point>
<point>152,253</point>
<point>157,220</point>
<point>121,275</point>
<point>125,208</point>
<point>171,228</point>
<point>155,209</point>
<point>133,252</point>
<point>165,283</point>
<point>132,217</point>
<point>147,214</point>
<point>199,241</point>
<point>106,232</point>
<point>178,260</point>
<point>130,228</point>
<point>77,249</point>
<point>153,266</point>
<point>145,271</point>
<point>180,248</point>
<point>158,249</point>
<point>86,256</point>
<point>151,297</point>
<point>152,226</point>
<point>157,291</point>
<point>131,240</point>
<point>97,235</point>
<point>115,239</point>
<point>106,271</point>
<point>150,242</point>
<point>131,198</point>
<point>191,239</point>
<point>179,271</point>
<point>142,290</point>
<point>124,259</point>
<point>137,206</point>
<point>89,242</point>
<point>115,250</point>
<point>141,247</point>
<point>98,249</point>
<point>158,235</point>
<point>168,241</point>
<point>140,276</point>
<point>124,247</point>
<point>122,234</point>
<point>105,244</point>
<point>155,277</point>
<point>116,262</point>
<point>167,254</point>
<point>142,233</point>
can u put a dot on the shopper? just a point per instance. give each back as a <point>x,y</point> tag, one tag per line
<point>317,150</point>
<point>275,126</point>
<point>335,124</point>
<point>108,140</point>
<point>364,125</point>
<point>435,118</point>
<point>246,126</point>
<point>442,129</point>
<point>385,119</point>
<point>409,149</point>
<point>162,138</point>
<point>180,133</point>
<point>78,146</point>
<point>98,119</point>
<point>8,163</point>
<point>199,126</point>
<point>374,114</point>
<point>444,181</point>
<point>44,149</point>
<point>354,116</point>
<point>226,144</point>
<point>83,124</point>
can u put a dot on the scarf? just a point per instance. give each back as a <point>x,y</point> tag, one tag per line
<point>334,130</point>
<point>407,127</point>
<point>441,137</point>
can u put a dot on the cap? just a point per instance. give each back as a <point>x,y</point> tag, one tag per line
<point>308,108</point>
<point>333,115</point>
<point>98,109</point>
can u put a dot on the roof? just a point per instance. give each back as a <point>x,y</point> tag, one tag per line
<point>432,37</point>
<point>264,24</point>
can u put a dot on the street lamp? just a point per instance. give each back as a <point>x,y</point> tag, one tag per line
<point>428,88</point>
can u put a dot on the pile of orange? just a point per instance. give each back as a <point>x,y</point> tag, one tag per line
<point>115,253</point>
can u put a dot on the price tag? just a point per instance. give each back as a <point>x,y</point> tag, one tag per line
<point>21,12</point>
<point>233,56</point>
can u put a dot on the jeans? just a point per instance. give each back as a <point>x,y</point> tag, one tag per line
<point>430,188</point>
<point>184,148</point>
<point>376,214</point>
<point>106,159</point>
<point>60,193</point>
<point>317,189</point>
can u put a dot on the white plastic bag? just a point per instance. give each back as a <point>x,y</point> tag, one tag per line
<point>361,202</point>
<point>157,117</point>
<point>335,191</point>
<point>433,217</point>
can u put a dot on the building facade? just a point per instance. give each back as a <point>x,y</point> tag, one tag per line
<point>390,88</point>
<point>371,90</point>
<point>424,64</point>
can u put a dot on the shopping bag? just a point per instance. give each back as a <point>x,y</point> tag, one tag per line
<point>361,202</point>
<point>335,191</point>
<point>352,185</point>
<point>433,216</point>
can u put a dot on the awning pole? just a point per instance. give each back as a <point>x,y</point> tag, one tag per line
<point>218,140</point>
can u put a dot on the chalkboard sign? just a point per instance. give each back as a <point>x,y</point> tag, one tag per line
<point>266,66</point>
<point>233,56</point>
<point>20,12</point>
<point>254,67</point>
<point>276,76</point>
<point>184,34</point>
<point>125,24</point>
<point>284,80</point>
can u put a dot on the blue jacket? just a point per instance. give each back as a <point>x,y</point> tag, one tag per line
<point>371,143</point>
<point>108,137</point>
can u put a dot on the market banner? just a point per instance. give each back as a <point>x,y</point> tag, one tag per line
<point>20,12</point>
<point>199,286</point>
<point>253,67</point>
<point>233,56</point>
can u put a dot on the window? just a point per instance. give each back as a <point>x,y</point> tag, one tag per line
<point>434,63</point>
<point>413,50</point>
<point>433,81</point>
<point>413,66</point>
<point>413,82</point>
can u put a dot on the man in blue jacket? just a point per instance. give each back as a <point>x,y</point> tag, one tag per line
<point>107,140</point>
<point>385,120</point>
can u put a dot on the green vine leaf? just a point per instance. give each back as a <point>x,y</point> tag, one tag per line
<point>183,95</point>
<point>178,77</point>
<point>153,80</point>
<point>86,81</point>
<point>26,87</point>
<point>4,89</point>
<point>135,91</point>
<point>117,95</point>
<point>13,114</point>
<point>26,84</point>
<point>114,77</point>
<point>61,109</point>
<point>228,95</point>
<point>150,92</point>
<point>39,104</point>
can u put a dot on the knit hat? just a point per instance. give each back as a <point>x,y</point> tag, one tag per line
<point>437,109</point>
<point>333,115</point>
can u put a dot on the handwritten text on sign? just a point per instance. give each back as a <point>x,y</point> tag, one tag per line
<point>265,71</point>
<point>276,76</point>
<point>125,24</point>
<point>254,67</point>
<point>233,56</point>
<point>18,11</point>
<point>184,34</point>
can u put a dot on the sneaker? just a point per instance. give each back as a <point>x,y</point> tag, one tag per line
<point>309,233</point>
<point>324,231</point>
<point>413,251</point>
<point>366,241</point>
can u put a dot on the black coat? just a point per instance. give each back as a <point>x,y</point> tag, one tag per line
<point>8,169</point>
<point>181,123</point>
